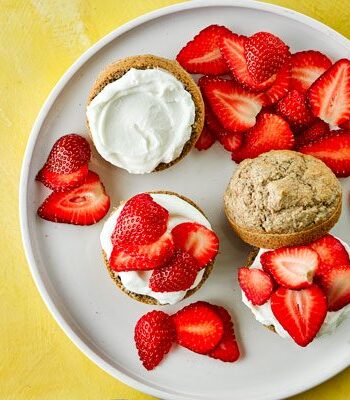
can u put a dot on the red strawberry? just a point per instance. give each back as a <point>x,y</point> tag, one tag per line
<point>231,141</point>
<point>335,282</point>
<point>202,54</point>
<point>279,87</point>
<point>154,334</point>
<point>300,312</point>
<point>227,350</point>
<point>271,132</point>
<point>292,267</point>
<point>197,240</point>
<point>235,107</point>
<point>265,54</point>
<point>256,284</point>
<point>205,140</point>
<point>346,125</point>
<point>307,66</point>
<point>211,121</point>
<point>141,221</point>
<point>84,205</point>
<point>329,95</point>
<point>333,150</point>
<point>331,253</point>
<point>317,130</point>
<point>178,274</point>
<point>62,182</point>
<point>295,110</point>
<point>198,327</point>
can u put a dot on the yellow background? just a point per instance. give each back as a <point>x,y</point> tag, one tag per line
<point>39,40</point>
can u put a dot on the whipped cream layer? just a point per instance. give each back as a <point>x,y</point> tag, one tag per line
<point>138,281</point>
<point>264,313</point>
<point>142,119</point>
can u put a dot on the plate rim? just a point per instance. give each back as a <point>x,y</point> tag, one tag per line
<point>24,180</point>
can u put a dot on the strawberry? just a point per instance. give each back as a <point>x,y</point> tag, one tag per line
<point>84,205</point>
<point>202,54</point>
<point>292,267</point>
<point>271,132</point>
<point>141,221</point>
<point>210,119</point>
<point>231,141</point>
<point>329,95</point>
<point>227,350</point>
<point>205,140</point>
<point>300,312</point>
<point>265,54</point>
<point>333,150</point>
<point>62,182</point>
<point>154,334</point>
<point>197,240</point>
<point>318,129</point>
<point>307,66</point>
<point>331,253</point>
<point>295,110</point>
<point>198,327</point>
<point>234,106</point>
<point>256,284</point>
<point>345,125</point>
<point>278,89</point>
<point>335,282</point>
<point>178,274</point>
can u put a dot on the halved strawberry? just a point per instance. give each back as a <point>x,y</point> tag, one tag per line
<point>292,267</point>
<point>300,312</point>
<point>179,273</point>
<point>331,253</point>
<point>197,240</point>
<point>154,334</point>
<point>210,119</point>
<point>84,205</point>
<point>329,95</point>
<point>271,132</point>
<point>231,141</point>
<point>198,327</point>
<point>227,350</point>
<point>333,150</point>
<point>62,182</point>
<point>234,106</point>
<point>335,282</point>
<point>317,130</point>
<point>256,284</point>
<point>205,140</point>
<point>307,66</point>
<point>202,54</point>
<point>278,89</point>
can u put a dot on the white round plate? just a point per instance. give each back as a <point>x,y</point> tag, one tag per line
<point>66,262</point>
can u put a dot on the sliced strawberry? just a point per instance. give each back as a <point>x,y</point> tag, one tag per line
<point>141,221</point>
<point>292,267</point>
<point>234,106</point>
<point>335,282</point>
<point>333,150</point>
<point>329,95</point>
<point>271,132</point>
<point>300,312</point>
<point>198,327</point>
<point>331,253</point>
<point>317,130</point>
<point>84,205</point>
<point>345,125</point>
<point>179,273</point>
<point>62,182</point>
<point>231,141</point>
<point>256,284</point>
<point>227,350</point>
<point>206,139</point>
<point>154,334</point>
<point>295,110</point>
<point>279,88</point>
<point>202,54</point>
<point>197,240</point>
<point>307,66</point>
<point>210,119</point>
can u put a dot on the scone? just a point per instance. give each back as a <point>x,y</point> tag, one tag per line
<point>282,198</point>
<point>144,113</point>
<point>158,247</point>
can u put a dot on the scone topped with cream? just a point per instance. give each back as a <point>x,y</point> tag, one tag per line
<point>144,113</point>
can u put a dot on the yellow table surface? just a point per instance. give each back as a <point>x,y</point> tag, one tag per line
<point>39,40</point>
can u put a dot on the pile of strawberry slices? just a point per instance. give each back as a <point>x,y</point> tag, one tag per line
<point>260,97</point>
<point>78,196</point>
<point>302,283</point>
<point>141,242</point>
<point>200,327</point>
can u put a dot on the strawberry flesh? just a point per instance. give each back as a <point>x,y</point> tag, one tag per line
<point>317,130</point>
<point>205,140</point>
<point>256,284</point>
<point>279,87</point>
<point>62,182</point>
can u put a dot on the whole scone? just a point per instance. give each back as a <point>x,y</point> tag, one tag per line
<point>282,198</point>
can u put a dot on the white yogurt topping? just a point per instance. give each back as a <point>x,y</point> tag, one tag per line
<point>265,315</point>
<point>138,281</point>
<point>142,119</point>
